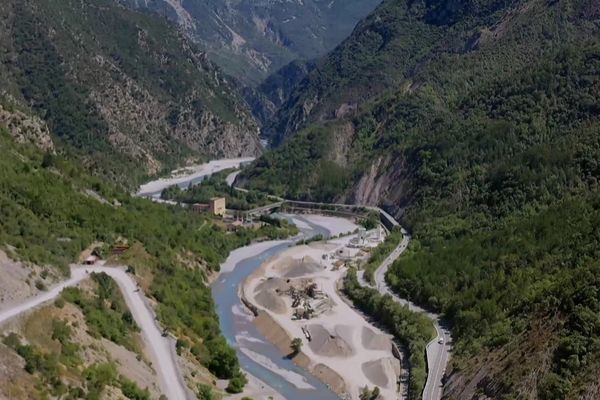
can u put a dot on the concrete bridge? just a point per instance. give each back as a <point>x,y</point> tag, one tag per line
<point>356,209</point>
<point>263,210</point>
<point>255,212</point>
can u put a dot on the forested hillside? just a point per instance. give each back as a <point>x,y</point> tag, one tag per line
<point>251,39</point>
<point>477,123</point>
<point>403,45</point>
<point>119,89</point>
<point>51,210</point>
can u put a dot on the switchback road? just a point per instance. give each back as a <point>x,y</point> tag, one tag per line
<point>161,349</point>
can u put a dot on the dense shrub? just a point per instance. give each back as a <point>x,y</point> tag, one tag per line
<point>411,329</point>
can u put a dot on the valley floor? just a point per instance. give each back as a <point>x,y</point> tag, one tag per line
<point>339,346</point>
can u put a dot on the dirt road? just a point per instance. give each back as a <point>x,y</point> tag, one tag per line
<point>161,349</point>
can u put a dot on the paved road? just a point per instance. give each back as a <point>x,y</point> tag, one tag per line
<point>161,349</point>
<point>230,179</point>
<point>437,353</point>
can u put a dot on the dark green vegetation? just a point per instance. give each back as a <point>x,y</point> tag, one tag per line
<point>132,391</point>
<point>47,217</point>
<point>316,238</point>
<point>176,290</point>
<point>478,124</point>
<point>97,377</point>
<point>296,346</point>
<point>380,253</point>
<point>491,283</point>
<point>205,392</point>
<point>236,383</point>
<point>287,170</point>
<point>251,39</point>
<point>412,330</point>
<point>367,394</point>
<point>216,186</point>
<point>370,220</point>
<point>106,314</point>
<point>120,89</point>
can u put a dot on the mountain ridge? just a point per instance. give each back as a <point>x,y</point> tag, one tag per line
<point>477,124</point>
<point>251,39</point>
<point>121,84</point>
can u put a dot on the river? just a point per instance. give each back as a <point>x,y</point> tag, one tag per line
<point>257,356</point>
<point>193,175</point>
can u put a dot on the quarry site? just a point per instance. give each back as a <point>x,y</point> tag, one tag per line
<point>296,296</point>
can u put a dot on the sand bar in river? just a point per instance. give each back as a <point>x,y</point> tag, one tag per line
<point>344,350</point>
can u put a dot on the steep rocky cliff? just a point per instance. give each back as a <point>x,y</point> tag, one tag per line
<point>26,129</point>
<point>268,97</point>
<point>122,89</point>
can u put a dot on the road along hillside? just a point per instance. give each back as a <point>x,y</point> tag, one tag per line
<point>161,349</point>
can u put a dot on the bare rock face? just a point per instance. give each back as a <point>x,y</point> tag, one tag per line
<point>203,130</point>
<point>345,110</point>
<point>142,125</point>
<point>26,129</point>
<point>341,144</point>
<point>384,183</point>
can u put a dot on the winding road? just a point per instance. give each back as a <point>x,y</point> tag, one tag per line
<point>439,348</point>
<point>161,349</point>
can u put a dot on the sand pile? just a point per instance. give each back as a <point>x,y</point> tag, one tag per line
<point>273,332</point>
<point>345,332</point>
<point>271,301</point>
<point>382,372</point>
<point>323,246</point>
<point>296,268</point>
<point>324,343</point>
<point>375,341</point>
<point>272,284</point>
<point>333,379</point>
<point>266,294</point>
<point>334,225</point>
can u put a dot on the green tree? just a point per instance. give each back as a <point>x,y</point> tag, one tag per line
<point>205,392</point>
<point>296,345</point>
<point>237,383</point>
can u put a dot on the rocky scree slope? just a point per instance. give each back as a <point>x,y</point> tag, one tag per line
<point>121,89</point>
